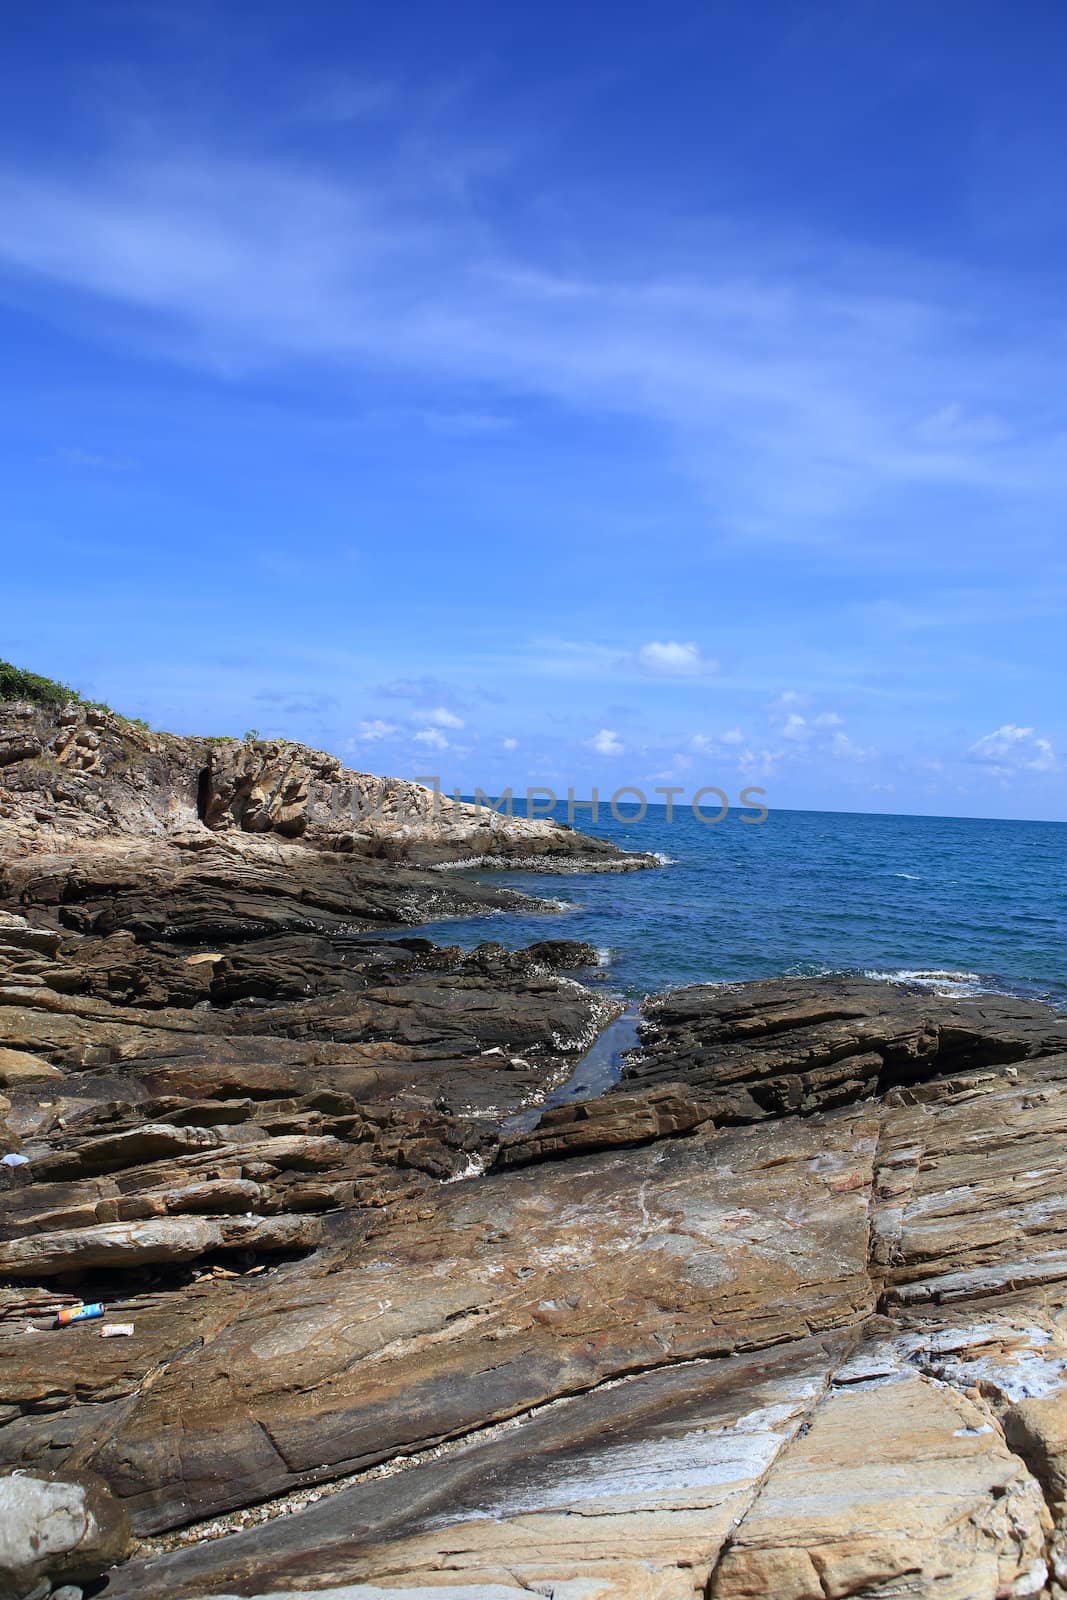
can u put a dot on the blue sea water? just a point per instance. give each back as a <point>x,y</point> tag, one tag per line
<point>961,905</point>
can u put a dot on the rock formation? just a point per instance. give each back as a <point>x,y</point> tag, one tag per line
<point>81,773</point>
<point>784,1314</point>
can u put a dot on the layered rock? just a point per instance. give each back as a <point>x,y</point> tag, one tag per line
<point>736,1053</point>
<point>80,773</point>
<point>783,1314</point>
<point>820,1353</point>
<point>813,1356</point>
<point>817,1354</point>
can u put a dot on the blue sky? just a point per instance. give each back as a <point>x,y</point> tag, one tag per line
<point>565,395</point>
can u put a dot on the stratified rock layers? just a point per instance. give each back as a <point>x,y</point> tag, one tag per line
<point>80,774</point>
<point>784,1315</point>
<point>816,1354</point>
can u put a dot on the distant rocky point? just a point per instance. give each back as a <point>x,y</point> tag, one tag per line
<point>76,772</point>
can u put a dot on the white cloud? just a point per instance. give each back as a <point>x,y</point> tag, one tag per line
<point>606,743</point>
<point>433,737</point>
<point>376,729</point>
<point>708,743</point>
<point>759,763</point>
<point>679,764</point>
<point>814,736</point>
<point>510,744</point>
<point>441,717</point>
<point>812,388</point>
<point>671,659</point>
<point>1012,748</point>
<point>794,377</point>
<point>846,749</point>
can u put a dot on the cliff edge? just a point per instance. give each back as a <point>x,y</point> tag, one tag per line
<point>76,773</point>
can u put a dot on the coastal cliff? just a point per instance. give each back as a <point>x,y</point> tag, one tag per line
<point>783,1313</point>
<point>76,773</point>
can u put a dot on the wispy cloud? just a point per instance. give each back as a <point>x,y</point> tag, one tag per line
<point>794,381</point>
<point>441,717</point>
<point>375,729</point>
<point>671,659</point>
<point>433,738</point>
<point>715,743</point>
<point>1011,748</point>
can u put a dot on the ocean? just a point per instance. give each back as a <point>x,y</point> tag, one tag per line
<point>963,906</point>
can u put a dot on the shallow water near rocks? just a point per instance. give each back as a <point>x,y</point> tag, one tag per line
<point>598,1070</point>
<point>958,905</point>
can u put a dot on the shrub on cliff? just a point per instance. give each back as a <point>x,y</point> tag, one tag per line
<point>17,684</point>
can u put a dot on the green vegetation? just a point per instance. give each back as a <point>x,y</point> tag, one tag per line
<point>16,684</point>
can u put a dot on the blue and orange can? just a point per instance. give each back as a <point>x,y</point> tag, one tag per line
<point>78,1314</point>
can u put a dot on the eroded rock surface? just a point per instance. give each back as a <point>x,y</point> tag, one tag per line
<point>55,1527</point>
<point>812,1355</point>
<point>784,1314</point>
<point>80,773</point>
<point>760,1361</point>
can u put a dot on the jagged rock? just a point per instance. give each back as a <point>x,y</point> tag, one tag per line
<point>1036,1430</point>
<point>18,746</point>
<point>134,1147</point>
<point>788,1045</point>
<point>903,1488</point>
<point>364,1016</point>
<point>572,1275</point>
<point>679,1261</point>
<point>236,890</point>
<point>784,1313</point>
<point>16,933</point>
<point>605,1123</point>
<point>79,774</point>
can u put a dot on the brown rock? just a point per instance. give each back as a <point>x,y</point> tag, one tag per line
<point>901,1487</point>
<point>768,1049</point>
<point>18,1067</point>
<point>126,1245</point>
<point>782,1314</point>
<point>134,1147</point>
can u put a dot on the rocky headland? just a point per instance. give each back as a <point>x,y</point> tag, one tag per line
<point>782,1314</point>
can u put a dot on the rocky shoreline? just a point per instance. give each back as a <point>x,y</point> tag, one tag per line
<point>782,1313</point>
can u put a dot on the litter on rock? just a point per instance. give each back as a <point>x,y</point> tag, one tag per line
<point>78,1314</point>
<point>116,1330</point>
<point>13,1159</point>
